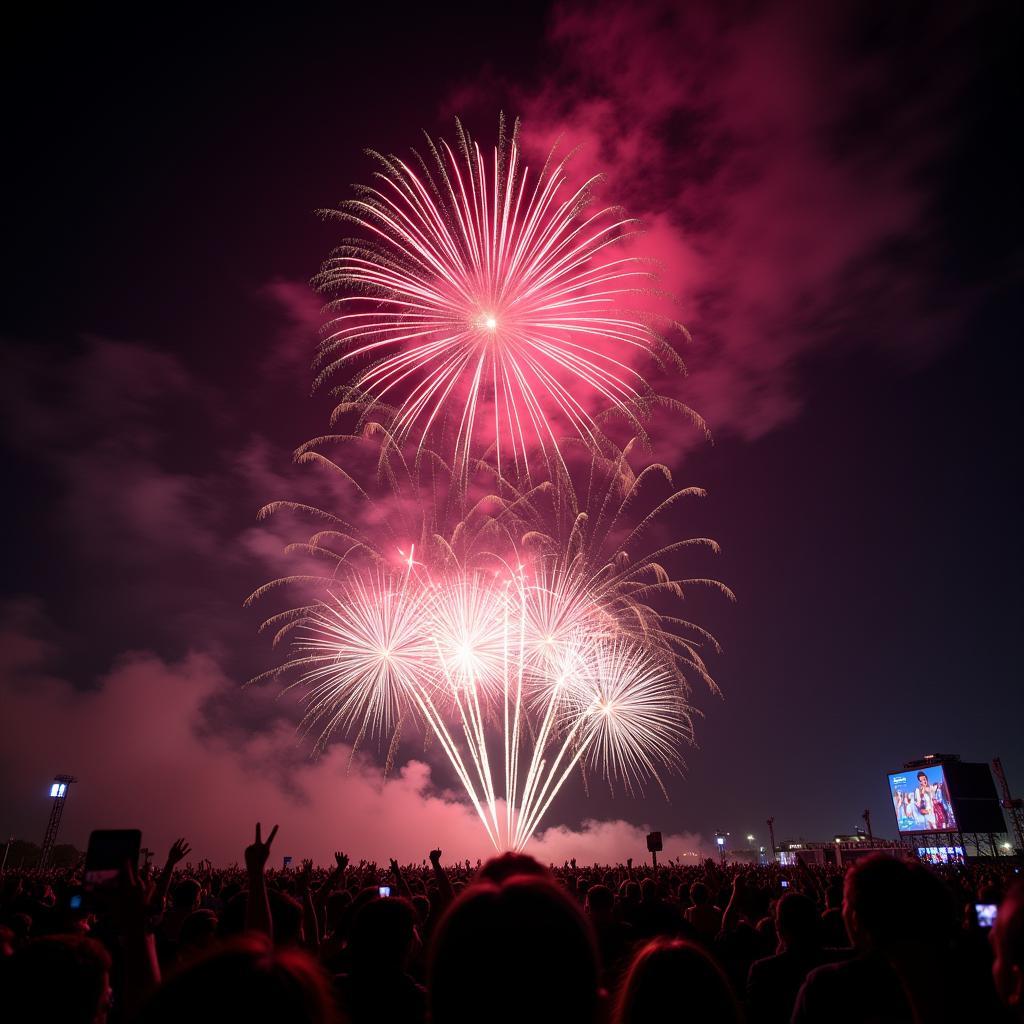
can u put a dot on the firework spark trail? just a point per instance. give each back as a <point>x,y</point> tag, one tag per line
<point>551,641</point>
<point>505,595</point>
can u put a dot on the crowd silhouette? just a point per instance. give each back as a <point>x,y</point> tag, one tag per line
<point>511,940</point>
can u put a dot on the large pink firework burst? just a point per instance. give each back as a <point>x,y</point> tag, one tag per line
<point>486,307</point>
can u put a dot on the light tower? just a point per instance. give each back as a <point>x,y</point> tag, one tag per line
<point>771,834</point>
<point>58,793</point>
<point>1014,807</point>
<point>867,821</point>
<point>720,842</point>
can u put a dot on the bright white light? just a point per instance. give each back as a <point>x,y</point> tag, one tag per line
<point>720,840</point>
<point>490,323</point>
<point>750,839</point>
<point>54,789</point>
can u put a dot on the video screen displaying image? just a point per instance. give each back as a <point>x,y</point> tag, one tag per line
<point>941,854</point>
<point>920,798</point>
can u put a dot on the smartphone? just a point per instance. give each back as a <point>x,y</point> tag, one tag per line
<point>384,891</point>
<point>986,913</point>
<point>109,850</point>
<point>75,903</point>
<point>785,883</point>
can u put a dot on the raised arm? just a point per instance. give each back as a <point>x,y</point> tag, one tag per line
<point>731,917</point>
<point>399,879</point>
<point>133,905</point>
<point>257,906</point>
<point>325,890</point>
<point>444,884</point>
<point>178,852</point>
<point>310,925</point>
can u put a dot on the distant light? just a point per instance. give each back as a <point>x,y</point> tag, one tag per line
<point>720,840</point>
<point>55,789</point>
<point>1007,846</point>
<point>750,839</point>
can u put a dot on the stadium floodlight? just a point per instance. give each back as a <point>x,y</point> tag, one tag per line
<point>58,794</point>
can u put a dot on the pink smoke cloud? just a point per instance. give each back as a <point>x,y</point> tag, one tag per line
<point>139,746</point>
<point>783,228</point>
<point>294,343</point>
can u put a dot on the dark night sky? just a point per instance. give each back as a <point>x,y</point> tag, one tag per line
<point>851,232</point>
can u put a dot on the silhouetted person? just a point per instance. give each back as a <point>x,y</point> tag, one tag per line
<point>377,987</point>
<point>703,915</point>
<point>245,980</point>
<point>63,979</point>
<point>614,937</point>
<point>1008,947</point>
<point>773,983</point>
<point>184,901</point>
<point>197,935</point>
<point>508,865</point>
<point>675,980</point>
<point>907,968</point>
<point>879,914</point>
<point>653,916</point>
<point>833,929</point>
<point>519,950</point>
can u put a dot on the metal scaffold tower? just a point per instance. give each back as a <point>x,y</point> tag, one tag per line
<point>58,793</point>
<point>1014,808</point>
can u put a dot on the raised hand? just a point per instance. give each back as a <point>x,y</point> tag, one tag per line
<point>435,856</point>
<point>179,850</point>
<point>393,864</point>
<point>131,912</point>
<point>341,859</point>
<point>132,898</point>
<point>304,876</point>
<point>257,854</point>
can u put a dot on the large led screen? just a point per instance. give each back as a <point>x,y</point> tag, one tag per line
<point>921,800</point>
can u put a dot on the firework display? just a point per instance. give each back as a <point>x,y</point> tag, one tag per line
<point>489,578</point>
<point>481,301</point>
